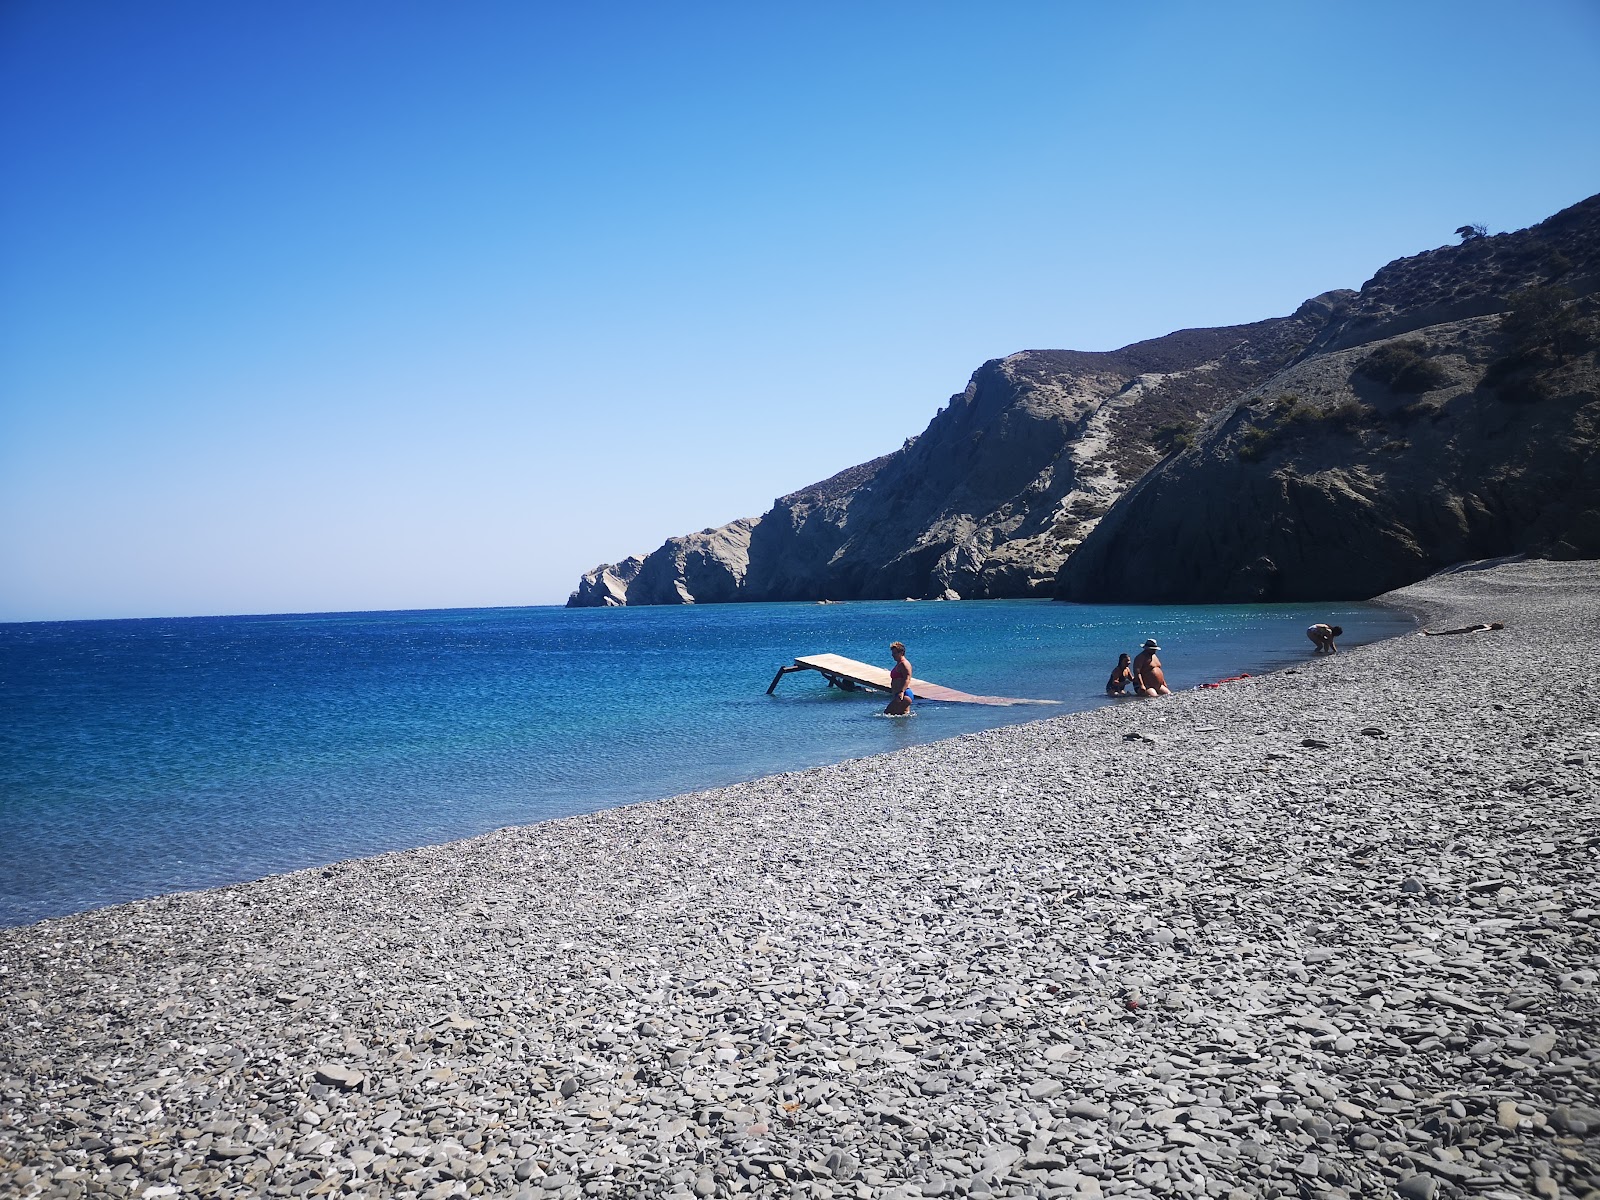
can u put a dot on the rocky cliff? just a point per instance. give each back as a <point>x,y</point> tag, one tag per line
<point>705,567</point>
<point>1449,412</point>
<point>1342,450</point>
<point>991,498</point>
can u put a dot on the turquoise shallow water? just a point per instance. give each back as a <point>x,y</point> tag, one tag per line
<point>141,757</point>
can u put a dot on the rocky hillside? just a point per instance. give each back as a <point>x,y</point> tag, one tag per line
<point>990,499</point>
<point>1451,412</point>
<point>1343,450</point>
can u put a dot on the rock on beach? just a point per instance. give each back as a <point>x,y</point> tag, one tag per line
<point>1044,960</point>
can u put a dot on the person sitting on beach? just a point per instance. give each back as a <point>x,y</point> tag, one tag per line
<point>900,683</point>
<point>1121,676</point>
<point>1148,677</point>
<point>1322,638</point>
<point>1463,629</point>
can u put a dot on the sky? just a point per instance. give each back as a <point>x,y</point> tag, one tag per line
<point>314,307</point>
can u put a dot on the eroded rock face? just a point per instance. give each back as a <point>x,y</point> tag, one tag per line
<point>1169,469</point>
<point>606,586</point>
<point>1399,445</point>
<point>699,568</point>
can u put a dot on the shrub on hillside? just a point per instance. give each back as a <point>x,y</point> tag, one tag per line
<point>1299,413</point>
<point>1404,367</point>
<point>1291,417</point>
<point>1179,435</point>
<point>1348,415</point>
<point>1520,378</point>
<point>1256,442</point>
<point>1544,319</point>
<point>1418,410</point>
<point>1543,328</point>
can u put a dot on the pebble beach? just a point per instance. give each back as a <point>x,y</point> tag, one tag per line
<point>1332,932</point>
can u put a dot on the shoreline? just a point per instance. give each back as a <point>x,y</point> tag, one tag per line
<point>1015,962</point>
<point>85,795</point>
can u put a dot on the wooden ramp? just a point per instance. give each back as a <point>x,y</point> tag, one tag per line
<point>847,673</point>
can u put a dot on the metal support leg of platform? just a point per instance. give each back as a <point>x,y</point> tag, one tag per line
<point>782,671</point>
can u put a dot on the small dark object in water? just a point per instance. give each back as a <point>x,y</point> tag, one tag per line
<point>1314,743</point>
<point>1374,731</point>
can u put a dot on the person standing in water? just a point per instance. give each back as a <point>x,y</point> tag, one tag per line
<point>1322,638</point>
<point>1121,676</point>
<point>1148,677</point>
<point>899,683</point>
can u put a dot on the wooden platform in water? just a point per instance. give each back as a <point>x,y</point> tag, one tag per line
<point>849,674</point>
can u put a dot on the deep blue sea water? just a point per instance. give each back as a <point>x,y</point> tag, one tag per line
<point>147,756</point>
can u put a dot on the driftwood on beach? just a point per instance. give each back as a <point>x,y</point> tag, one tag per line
<point>1330,932</point>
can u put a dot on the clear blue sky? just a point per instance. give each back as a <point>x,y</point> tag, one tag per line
<point>357,305</point>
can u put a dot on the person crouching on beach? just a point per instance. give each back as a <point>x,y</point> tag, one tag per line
<point>1148,677</point>
<point>899,683</point>
<point>1322,638</point>
<point>1121,676</point>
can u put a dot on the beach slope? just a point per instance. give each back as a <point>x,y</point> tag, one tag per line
<point>1327,932</point>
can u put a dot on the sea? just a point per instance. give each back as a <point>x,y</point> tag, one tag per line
<point>139,757</point>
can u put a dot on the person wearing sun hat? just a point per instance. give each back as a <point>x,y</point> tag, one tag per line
<point>1148,678</point>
